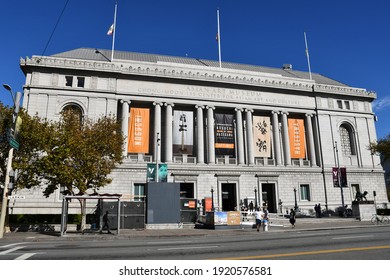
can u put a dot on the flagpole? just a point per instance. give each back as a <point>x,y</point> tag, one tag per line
<point>307,54</point>
<point>114,32</point>
<point>219,41</point>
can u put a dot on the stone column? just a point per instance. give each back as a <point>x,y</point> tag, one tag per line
<point>157,131</point>
<point>168,133</point>
<point>312,152</point>
<point>276,136</point>
<point>200,135</point>
<point>240,137</point>
<point>286,141</point>
<point>210,134</point>
<point>249,133</point>
<point>125,125</point>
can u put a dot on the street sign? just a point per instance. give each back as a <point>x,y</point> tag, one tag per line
<point>14,144</point>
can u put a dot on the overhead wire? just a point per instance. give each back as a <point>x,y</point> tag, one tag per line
<point>55,27</point>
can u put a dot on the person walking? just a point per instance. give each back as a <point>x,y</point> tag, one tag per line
<point>105,223</point>
<point>259,218</point>
<point>292,218</point>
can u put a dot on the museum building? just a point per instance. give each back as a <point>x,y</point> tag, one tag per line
<point>236,132</point>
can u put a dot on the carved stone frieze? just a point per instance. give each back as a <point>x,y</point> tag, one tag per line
<point>173,70</point>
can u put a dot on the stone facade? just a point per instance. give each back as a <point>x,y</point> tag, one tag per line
<point>332,113</point>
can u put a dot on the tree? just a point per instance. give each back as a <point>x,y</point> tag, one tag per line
<point>81,155</point>
<point>382,146</point>
<point>72,154</point>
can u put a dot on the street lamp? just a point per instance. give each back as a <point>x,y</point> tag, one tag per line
<point>16,99</point>
<point>157,153</point>
<point>212,198</point>
<point>295,197</point>
<point>255,199</point>
<point>339,175</point>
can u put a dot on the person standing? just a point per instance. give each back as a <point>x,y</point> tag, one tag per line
<point>105,223</point>
<point>319,210</point>
<point>251,207</point>
<point>265,219</point>
<point>292,218</point>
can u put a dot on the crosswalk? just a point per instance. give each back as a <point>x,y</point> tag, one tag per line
<point>12,252</point>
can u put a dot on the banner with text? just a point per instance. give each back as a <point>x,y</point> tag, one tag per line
<point>151,172</point>
<point>183,132</point>
<point>224,134</point>
<point>296,132</point>
<point>262,136</point>
<point>139,130</point>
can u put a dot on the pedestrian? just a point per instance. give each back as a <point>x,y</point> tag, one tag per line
<point>292,218</point>
<point>265,219</point>
<point>105,223</point>
<point>319,210</point>
<point>251,207</point>
<point>259,218</point>
<point>316,210</point>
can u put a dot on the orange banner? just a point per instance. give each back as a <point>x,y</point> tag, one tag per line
<point>139,130</point>
<point>296,132</point>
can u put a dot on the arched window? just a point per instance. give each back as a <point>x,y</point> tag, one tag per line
<point>347,140</point>
<point>74,109</point>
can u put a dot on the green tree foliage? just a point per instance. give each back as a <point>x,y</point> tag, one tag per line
<point>5,124</point>
<point>81,154</point>
<point>382,146</point>
<point>73,154</point>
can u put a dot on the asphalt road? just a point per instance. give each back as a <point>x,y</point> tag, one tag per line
<point>369,243</point>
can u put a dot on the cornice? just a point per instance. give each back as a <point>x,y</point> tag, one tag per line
<point>194,72</point>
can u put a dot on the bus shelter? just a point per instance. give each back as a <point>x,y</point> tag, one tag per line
<point>99,197</point>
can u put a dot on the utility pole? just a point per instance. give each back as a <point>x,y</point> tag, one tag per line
<point>339,175</point>
<point>16,99</point>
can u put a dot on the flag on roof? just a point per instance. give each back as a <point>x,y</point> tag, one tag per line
<point>110,30</point>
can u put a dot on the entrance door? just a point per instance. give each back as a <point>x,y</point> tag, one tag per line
<point>269,196</point>
<point>229,197</point>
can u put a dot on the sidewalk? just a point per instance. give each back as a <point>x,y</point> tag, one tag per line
<point>302,224</point>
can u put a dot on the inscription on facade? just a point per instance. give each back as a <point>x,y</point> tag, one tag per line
<point>216,94</point>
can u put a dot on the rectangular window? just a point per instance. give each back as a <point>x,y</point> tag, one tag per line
<point>80,82</point>
<point>339,104</point>
<point>305,192</point>
<point>347,105</point>
<point>68,81</point>
<point>139,192</point>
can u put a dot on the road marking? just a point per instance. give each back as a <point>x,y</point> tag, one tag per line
<point>352,237</point>
<point>186,248</point>
<point>307,253</point>
<point>13,244</point>
<point>167,242</point>
<point>11,250</point>
<point>25,256</point>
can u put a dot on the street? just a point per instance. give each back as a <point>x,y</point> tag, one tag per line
<point>368,243</point>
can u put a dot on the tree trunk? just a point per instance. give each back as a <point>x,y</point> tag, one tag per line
<point>83,206</point>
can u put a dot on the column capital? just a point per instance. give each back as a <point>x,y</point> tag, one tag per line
<point>210,107</point>
<point>284,113</point>
<point>275,112</point>
<point>309,115</point>
<point>125,101</point>
<point>199,106</point>
<point>249,110</point>
<point>169,104</point>
<point>238,109</point>
<point>158,103</point>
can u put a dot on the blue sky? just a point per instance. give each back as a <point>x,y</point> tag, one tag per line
<point>349,41</point>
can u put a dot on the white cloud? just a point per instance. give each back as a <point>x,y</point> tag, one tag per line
<point>381,104</point>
